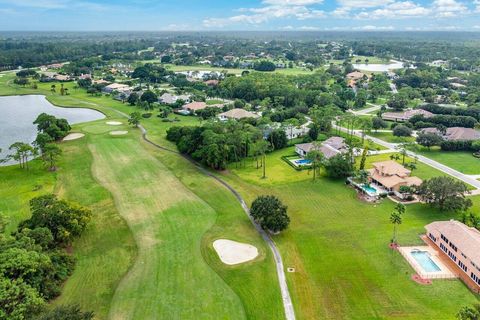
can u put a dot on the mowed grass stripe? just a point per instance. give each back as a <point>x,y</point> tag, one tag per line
<point>170,279</point>
<point>344,268</point>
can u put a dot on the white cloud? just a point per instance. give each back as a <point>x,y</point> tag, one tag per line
<point>374,28</point>
<point>292,2</point>
<point>273,9</point>
<point>396,10</point>
<point>477,3</point>
<point>363,3</point>
<point>449,8</point>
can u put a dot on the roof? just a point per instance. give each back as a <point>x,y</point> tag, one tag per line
<point>170,98</point>
<point>238,114</point>
<point>194,106</point>
<point>336,142</point>
<point>456,133</point>
<point>406,115</point>
<point>116,86</point>
<point>355,75</point>
<point>387,181</point>
<point>465,238</point>
<point>330,147</point>
<point>390,168</point>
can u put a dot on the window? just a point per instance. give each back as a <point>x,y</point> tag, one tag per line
<point>432,237</point>
<point>453,247</point>
<point>462,265</point>
<point>444,238</point>
<point>452,256</point>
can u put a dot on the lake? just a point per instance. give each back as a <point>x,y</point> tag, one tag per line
<point>379,67</point>
<point>17,114</point>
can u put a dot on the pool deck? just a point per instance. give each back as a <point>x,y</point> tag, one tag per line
<point>452,265</point>
<point>445,271</point>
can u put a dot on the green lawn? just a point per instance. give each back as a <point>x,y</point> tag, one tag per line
<point>155,217</point>
<point>462,161</point>
<point>339,248</point>
<point>389,137</point>
<point>371,60</point>
<point>286,71</point>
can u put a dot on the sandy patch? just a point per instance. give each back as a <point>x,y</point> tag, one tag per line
<point>113,123</point>
<point>73,136</point>
<point>232,252</point>
<point>118,133</point>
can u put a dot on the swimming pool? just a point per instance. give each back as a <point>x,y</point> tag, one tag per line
<point>425,261</point>
<point>369,189</point>
<point>302,162</point>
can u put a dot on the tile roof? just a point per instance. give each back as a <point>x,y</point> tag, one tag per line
<point>465,238</point>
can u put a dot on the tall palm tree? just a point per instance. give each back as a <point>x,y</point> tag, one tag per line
<point>396,219</point>
<point>316,158</point>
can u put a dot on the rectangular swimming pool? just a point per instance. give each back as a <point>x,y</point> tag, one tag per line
<point>425,261</point>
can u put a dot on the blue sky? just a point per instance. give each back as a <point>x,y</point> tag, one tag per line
<point>91,15</point>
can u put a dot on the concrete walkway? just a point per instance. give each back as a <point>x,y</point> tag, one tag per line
<point>441,167</point>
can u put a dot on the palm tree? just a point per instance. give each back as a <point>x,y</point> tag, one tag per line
<point>316,158</point>
<point>366,126</point>
<point>396,219</point>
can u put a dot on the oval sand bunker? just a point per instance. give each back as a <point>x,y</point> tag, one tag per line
<point>113,123</point>
<point>73,136</point>
<point>118,133</point>
<point>232,252</point>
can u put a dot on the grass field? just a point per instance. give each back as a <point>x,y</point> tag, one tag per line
<point>286,71</point>
<point>389,137</point>
<point>462,161</point>
<point>156,217</point>
<point>172,213</point>
<point>339,248</point>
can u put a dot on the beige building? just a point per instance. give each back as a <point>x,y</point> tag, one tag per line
<point>194,106</point>
<point>392,175</point>
<point>461,244</point>
<point>406,115</point>
<point>330,147</point>
<point>237,114</point>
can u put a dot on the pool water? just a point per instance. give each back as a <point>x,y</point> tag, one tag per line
<point>369,189</point>
<point>302,162</point>
<point>424,260</point>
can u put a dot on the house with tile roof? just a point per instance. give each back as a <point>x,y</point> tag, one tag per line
<point>391,176</point>
<point>460,244</point>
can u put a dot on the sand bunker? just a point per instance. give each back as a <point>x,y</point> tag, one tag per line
<point>73,136</point>
<point>232,252</point>
<point>113,123</point>
<point>118,133</point>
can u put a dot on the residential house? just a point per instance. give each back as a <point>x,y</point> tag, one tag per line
<point>237,114</point>
<point>391,176</point>
<point>461,245</point>
<point>168,98</point>
<point>455,133</point>
<point>330,147</point>
<point>406,115</point>
<point>192,107</point>
<point>116,87</point>
<point>212,83</point>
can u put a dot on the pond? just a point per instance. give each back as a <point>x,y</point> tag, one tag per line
<point>17,114</point>
<point>379,67</point>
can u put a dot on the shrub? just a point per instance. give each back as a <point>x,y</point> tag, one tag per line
<point>402,131</point>
<point>147,115</point>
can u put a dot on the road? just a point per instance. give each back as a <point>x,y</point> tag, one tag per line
<point>366,111</point>
<point>282,280</point>
<point>445,169</point>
